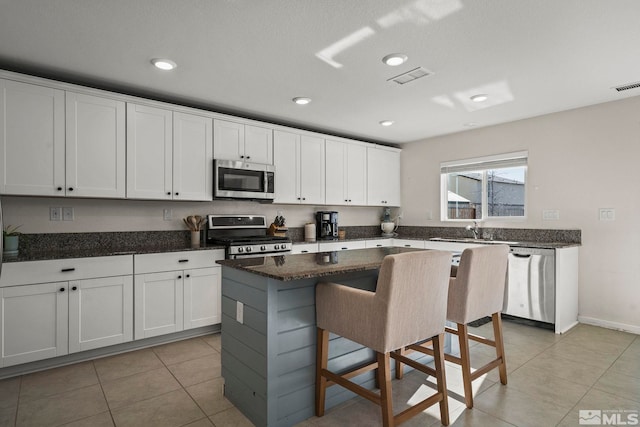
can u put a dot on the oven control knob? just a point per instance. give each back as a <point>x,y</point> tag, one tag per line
<point>240,249</point>
<point>283,246</point>
<point>276,247</point>
<point>248,248</point>
<point>263,248</point>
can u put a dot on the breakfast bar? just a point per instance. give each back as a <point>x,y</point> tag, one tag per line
<point>269,331</point>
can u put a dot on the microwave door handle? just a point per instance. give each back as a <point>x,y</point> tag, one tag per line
<point>266,182</point>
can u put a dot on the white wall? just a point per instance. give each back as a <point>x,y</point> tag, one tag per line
<point>132,215</point>
<point>579,161</point>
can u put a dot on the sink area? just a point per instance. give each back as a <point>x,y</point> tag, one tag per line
<point>471,240</point>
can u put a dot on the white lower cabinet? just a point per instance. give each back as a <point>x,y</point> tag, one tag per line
<point>168,299</point>
<point>48,319</point>
<point>304,248</point>
<point>408,243</point>
<point>341,245</point>
<point>378,243</point>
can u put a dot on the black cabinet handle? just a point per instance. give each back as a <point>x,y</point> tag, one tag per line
<point>304,252</point>
<point>242,157</point>
<point>179,277</point>
<point>168,193</point>
<point>59,188</point>
<point>61,289</point>
<point>177,194</point>
<point>70,188</point>
<point>75,288</point>
<point>407,246</point>
<point>183,260</point>
<point>379,246</point>
<point>66,270</point>
<point>248,157</point>
<point>304,198</point>
<point>187,276</point>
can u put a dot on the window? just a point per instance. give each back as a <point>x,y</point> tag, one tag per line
<point>484,188</point>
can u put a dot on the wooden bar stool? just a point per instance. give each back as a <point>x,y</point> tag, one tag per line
<point>477,291</point>
<point>409,305</point>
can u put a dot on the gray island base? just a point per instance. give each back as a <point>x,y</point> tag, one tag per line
<point>269,331</point>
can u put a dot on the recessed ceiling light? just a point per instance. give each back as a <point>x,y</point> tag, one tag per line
<point>479,98</point>
<point>164,64</point>
<point>386,122</point>
<point>301,100</point>
<point>395,59</point>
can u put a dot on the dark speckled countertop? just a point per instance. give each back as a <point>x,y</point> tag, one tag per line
<point>38,247</point>
<point>305,266</point>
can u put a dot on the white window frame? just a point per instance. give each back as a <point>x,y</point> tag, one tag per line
<point>482,164</point>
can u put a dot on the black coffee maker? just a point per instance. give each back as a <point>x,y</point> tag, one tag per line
<point>327,225</point>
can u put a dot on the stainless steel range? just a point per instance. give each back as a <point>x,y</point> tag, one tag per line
<point>245,236</point>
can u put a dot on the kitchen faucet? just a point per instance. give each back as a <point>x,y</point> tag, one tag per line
<point>473,229</point>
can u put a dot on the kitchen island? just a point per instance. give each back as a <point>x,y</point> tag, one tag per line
<point>269,331</point>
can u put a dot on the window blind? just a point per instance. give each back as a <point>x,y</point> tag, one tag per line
<point>509,160</point>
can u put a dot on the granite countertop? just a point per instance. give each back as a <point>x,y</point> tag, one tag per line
<point>520,244</point>
<point>74,252</point>
<point>306,266</point>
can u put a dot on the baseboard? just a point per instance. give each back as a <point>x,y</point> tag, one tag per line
<point>634,329</point>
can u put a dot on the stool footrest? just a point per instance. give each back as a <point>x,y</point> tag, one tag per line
<point>350,385</point>
<point>415,365</point>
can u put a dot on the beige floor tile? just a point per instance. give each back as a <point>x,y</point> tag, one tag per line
<point>455,386</point>
<point>598,400</point>
<point>576,352</point>
<point>134,388</point>
<point>230,418</point>
<point>209,395</point>
<point>514,355</point>
<point>101,420</point>
<point>180,351</point>
<point>515,407</point>
<point>475,418</point>
<point>9,391</point>
<point>213,340</point>
<point>195,371</point>
<point>57,380</point>
<point>621,385</point>
<point>541,385</point>
<point>123,365</point>
<point>566,369</point>
<point>62,408</point>
<point>8,415</point>
<point>600,339</point>
<point>205,422</point>
<point>627,366</point>
<point>168,410</point>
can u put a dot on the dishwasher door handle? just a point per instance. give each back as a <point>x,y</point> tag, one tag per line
<point>522,255</point>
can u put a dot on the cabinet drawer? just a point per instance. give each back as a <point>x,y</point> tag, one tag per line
<point>61,270</point>
<point>378,243</point>
<point>304,248</point>
<point>340,246</point>
<point>171,261</point>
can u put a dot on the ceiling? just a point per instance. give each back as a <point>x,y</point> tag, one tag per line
<point>250,58</point>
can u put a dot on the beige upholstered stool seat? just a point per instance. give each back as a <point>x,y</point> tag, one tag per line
<point>409,305</point>
<point>477,291</point>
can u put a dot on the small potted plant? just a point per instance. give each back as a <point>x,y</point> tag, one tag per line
<point>11,236</point>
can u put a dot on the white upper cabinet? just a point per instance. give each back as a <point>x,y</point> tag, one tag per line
<point>299,161</point>
<point>236,141</point>
<point>31,140</point>
<point>95,146</point>
<point>192,157</point>
<point>383,179</point>
<point>168,155</point>
<point>346,173</point>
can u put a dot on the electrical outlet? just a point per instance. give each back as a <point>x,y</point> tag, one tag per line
<point>67,214</point>
<point>55,214</point>
<point>550,214</point>
<point>167,214</point>
<point>239,312</point>
<point>607,214</point>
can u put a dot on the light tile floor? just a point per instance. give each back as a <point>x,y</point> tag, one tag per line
<point>550,378</point>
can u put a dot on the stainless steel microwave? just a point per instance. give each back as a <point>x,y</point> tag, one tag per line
<point>240,180</point>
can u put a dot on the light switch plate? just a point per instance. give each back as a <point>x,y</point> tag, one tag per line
<point>550,215</point>
<point>239,312</point>
<point>55,214</point>
<point>67,214</point>
<point>607,214</point>
<point>167,214</point>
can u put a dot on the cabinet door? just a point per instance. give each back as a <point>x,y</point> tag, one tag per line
<point>202,295</point>
<point>258,144</point>
<point>95,146</point>
<point>383,178</point>
<point>100,312</point>
<point>192,157</point>
<point>336,173</point>
<point>228,140</point>
<point>286,162</point>
<point>158,304</point>
<point>312,187</point>
<point>149,152</point>
<point>356,170</point>
<point>34,322</point>
<point>31,140</point>
<point>408,243</point>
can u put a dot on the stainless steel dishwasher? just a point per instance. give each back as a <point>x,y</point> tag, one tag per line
<point>531,288</point>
